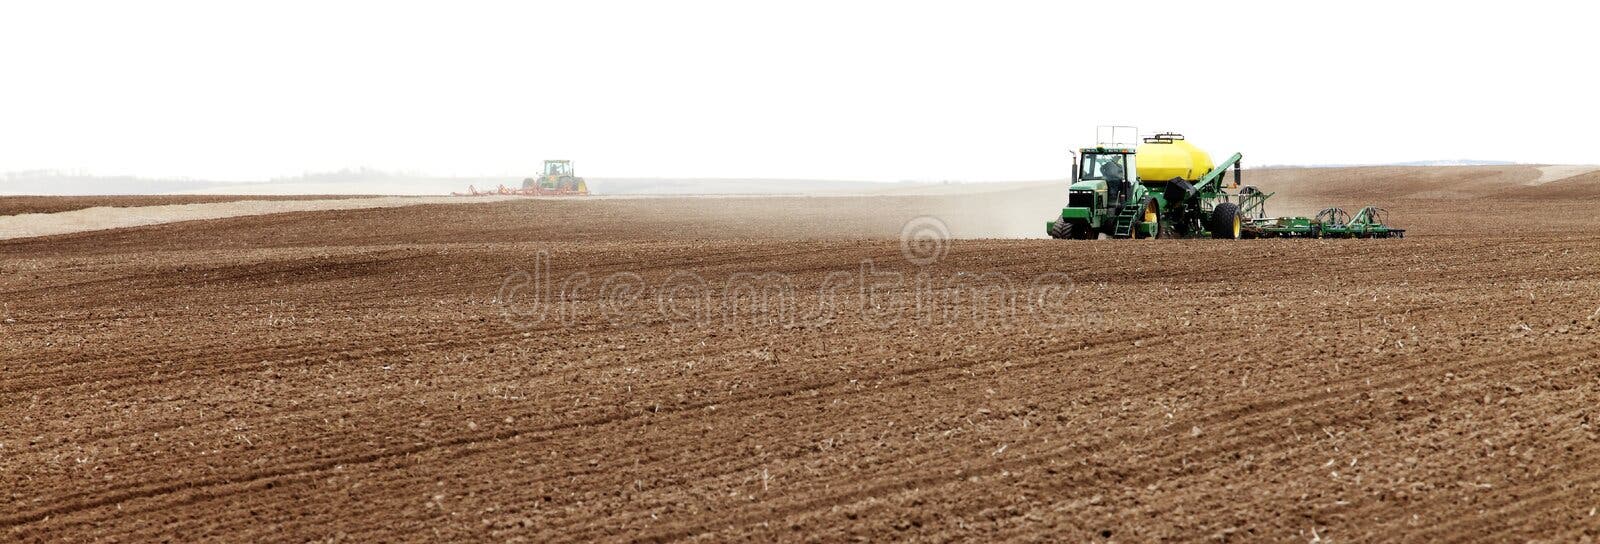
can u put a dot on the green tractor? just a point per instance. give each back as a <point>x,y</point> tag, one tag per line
<point>558,179</point>
<point>1164,187</point>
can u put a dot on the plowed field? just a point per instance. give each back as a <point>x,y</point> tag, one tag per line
<point>13,205</point>
<point>786,369</point>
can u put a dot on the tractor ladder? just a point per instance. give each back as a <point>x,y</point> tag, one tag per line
<point>1127,217</point>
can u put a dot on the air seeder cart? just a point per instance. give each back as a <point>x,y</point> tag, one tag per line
<point>1166,187</point>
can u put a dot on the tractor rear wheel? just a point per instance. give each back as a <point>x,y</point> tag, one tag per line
<point>1225,222</point>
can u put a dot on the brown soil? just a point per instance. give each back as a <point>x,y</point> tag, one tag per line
<point>350,375</point>
<point>14,205</point>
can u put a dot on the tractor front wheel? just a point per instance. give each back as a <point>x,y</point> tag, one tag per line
<point>1060,230</point>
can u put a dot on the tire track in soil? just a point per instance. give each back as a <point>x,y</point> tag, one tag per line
<point>573,371</point>
<point>1525,499</point>
<point>462,456</point>
<point>914,461</point>
<point>1396,384</point>
<point>877,491</point>
<point>256,355</point>
<point>1538,499</point>
<point>733,402</point>
<point>306,407</point>
<point>173,283</point>
<point>892,382</point>
<point>152,491</point>
<point>1252,440</point>
<point>165,279</point>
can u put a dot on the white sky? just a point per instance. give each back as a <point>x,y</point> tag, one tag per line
<point>830,90</point>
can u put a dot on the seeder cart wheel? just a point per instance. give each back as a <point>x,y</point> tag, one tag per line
<point>1225,222</point>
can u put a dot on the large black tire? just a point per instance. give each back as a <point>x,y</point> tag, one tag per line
<point>1225,222</point>
<point>1060,230</point>
<point>1081,231</point>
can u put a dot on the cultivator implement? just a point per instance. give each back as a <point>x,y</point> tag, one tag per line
<point>1369,222</point>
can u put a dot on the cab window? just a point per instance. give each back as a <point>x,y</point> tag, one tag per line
<point>1104,166</point>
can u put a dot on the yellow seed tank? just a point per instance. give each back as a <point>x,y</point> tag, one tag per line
<point>1164,158</point>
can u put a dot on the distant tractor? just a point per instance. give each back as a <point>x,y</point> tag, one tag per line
<point>558,179</point>
<point>1166,187</point>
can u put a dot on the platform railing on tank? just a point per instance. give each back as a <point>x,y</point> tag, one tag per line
<point>1116,135</point>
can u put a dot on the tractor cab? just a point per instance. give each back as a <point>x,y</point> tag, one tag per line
<point>555,169</point>
<point>1107,166</point>
<point>1108,173</point>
